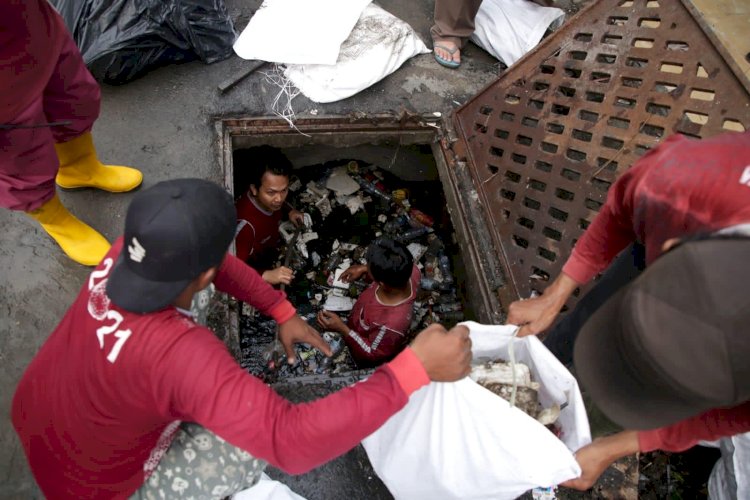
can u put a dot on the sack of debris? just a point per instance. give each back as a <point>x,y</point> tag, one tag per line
<point>508,29</point>
<point>377,46</point>
<point>122,40</point>
<point>461,441</point>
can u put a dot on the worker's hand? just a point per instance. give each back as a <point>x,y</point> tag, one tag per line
<point>353,273</point>
<point>597,456</point>
<point>296,329</point>
<point>446,356</point>
<point>332,322</point>
<point>297,218</point>
<point>279,275</point>
<point>536,315</point>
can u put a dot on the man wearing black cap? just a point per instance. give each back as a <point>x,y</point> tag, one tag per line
<point>129,396</point>
<point>668,355</point>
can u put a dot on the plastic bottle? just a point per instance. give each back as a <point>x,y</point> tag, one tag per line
<point>413,234</point>
<point>445,268</point>
<point>421,217</point>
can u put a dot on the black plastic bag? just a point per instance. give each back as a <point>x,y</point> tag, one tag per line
<point>121,40</point>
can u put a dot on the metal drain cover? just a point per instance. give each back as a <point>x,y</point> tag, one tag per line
<point>546,140</point>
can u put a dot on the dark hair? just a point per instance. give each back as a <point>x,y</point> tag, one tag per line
<point>251,164</point>
<point>390,262</point>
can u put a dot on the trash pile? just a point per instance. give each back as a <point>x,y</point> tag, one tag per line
<point>513,383</point>
<point>349,204</point>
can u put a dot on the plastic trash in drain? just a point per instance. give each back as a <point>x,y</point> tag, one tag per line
<point>350,204</point>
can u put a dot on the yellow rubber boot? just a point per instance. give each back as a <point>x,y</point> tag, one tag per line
<point>79,241</point>
<point>79,168</point>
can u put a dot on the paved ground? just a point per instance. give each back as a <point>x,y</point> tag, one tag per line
<point>162,124</point>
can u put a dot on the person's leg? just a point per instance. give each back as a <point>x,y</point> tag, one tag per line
<point>199,464</point>
<point>28,165</point>
<point>627,266</point>
<point>454,24</point>
<point>72,95</point>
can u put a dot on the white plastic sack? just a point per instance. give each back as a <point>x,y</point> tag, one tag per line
<point>267,489</point>
<point>508,29</point>
<point>377,46</point>
<point>460,441</point>
<point>299,31</point>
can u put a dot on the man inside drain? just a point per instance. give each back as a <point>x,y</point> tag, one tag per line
<point>261,208</point>
<point>380,319</point>
<point>129,396</point>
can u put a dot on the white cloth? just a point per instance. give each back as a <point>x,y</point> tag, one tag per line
<point>299,31</point>
<point>267,489</point>
<point>460,441</point>
<point>730,477</point>
<point>377,46</point>
<point>508,29</point>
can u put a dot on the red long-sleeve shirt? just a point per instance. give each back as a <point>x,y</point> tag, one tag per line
<point>707,426</point>
<point>680,188</point>
<point>101,399</point>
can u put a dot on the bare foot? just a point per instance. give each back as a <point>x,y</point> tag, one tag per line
<point>447,50</point>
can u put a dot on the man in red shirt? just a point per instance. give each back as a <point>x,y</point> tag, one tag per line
<point>260,210</point>
<point>128,386</point>
<point>48,104</point>
<point>681,188</point>
<point>673,347</point>
<point>380,319</point>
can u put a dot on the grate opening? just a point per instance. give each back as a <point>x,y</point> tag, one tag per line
<point>571,175</point>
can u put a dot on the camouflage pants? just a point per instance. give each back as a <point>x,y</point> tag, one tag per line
<point>200,465</point>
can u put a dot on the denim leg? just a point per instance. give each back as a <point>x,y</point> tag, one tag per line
<point>626,267</point>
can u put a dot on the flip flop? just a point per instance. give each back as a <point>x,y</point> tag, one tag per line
<point>448,63</point>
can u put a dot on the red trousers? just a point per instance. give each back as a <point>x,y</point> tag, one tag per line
<point>28,162</point>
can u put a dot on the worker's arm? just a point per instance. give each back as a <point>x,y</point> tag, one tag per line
<point>708,426</point>
<point>609,233</point>
<point>200,381</point>
<point>244,283</point>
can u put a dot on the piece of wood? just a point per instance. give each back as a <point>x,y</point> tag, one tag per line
<point>248,69</point>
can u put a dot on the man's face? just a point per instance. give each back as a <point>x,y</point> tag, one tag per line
<point>272,192</point>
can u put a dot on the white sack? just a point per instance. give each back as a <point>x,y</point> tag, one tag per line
<point>460,441</point>
<point>299,31</point>
<point>377,46</point>
<point>267,489</point>
<point>508,29</point>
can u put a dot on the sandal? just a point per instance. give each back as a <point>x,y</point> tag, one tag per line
<point>448,63</point>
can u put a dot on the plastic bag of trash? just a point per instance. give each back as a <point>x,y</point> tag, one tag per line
<point>377,46</point>
<point>508,29</point>
<point>121,40</point>
<point>460,441</point>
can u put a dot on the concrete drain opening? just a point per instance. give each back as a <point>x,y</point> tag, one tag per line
<point>402,157</point>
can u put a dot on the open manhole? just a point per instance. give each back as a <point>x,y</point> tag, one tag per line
<point>406,155</point>
<point>521,169</point>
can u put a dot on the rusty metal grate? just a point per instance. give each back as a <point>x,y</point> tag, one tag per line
<point>546,140</point>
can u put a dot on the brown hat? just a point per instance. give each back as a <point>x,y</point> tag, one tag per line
<point>676,341</point>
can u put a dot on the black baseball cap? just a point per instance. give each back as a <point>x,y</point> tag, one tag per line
<point>674,343</point>
<point>174,231</point>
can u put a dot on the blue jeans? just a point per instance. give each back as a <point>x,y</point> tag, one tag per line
<point>626,267</point>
